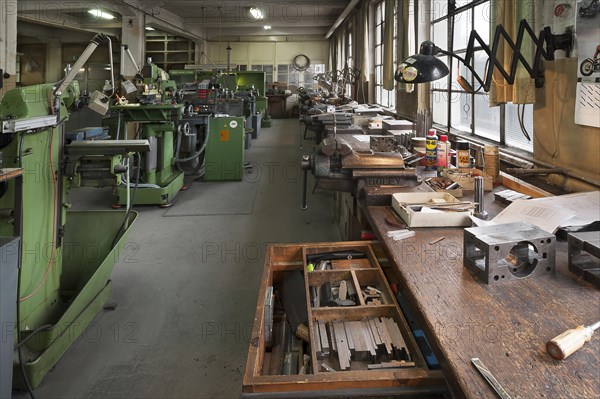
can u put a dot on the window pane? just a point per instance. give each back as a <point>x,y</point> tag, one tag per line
<point>282,73</point>
<point>482,21</point>
<point>440,107</point>
<point>462,108</point>
<point>411,29</point>
<point>514,135</point>
<point>462,29</point>
<point>480,59</point>
<point>440,34</point>
<point>487,119</point>
<point>439,8</point>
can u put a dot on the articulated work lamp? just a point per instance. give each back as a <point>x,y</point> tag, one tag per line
<point>426,67</point>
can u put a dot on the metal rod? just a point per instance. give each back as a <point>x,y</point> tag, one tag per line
<point>304,188</point>
<point>209,60</point>
<point>128,52</point>
<point>96,41</point>
<point>479,193</point>
<point>595,326</point>
<point>362,173</point>
<point>538,171</point>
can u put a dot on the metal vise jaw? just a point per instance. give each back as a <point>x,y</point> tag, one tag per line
<point>512,251</point>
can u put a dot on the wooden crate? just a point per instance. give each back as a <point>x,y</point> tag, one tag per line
<point>411,381</point>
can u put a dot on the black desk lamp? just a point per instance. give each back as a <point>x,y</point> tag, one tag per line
<point>426,67</point>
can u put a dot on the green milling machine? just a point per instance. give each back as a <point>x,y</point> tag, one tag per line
<point>160,119</point>
<point>66,256</point>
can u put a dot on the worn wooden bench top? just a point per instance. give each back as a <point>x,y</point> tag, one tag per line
<point>505,325</point>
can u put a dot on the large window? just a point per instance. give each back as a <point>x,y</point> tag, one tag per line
<point>349,62</point>
<point>267,69</point>
<point>465,112</point>
<point>287,74</point>
<point>387,98</point>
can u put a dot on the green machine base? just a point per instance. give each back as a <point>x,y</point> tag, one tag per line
<point>161,195</point>
<point>86,279</point>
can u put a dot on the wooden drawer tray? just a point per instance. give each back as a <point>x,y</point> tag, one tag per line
<point>362,348</point>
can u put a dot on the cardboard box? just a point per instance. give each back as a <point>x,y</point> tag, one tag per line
<point>466,178</point>
<point>414,217</point>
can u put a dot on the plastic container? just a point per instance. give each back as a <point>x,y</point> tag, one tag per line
<point>443,151</point>
<point>431,146</point>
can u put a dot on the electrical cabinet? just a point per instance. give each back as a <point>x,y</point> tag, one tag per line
<point>224,159</point>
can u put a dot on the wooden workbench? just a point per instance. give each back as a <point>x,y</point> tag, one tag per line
<point>505,325</point>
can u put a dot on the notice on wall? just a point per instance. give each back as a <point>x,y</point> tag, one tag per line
<point>587,106</point>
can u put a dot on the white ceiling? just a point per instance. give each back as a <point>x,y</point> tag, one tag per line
<point>193,18</point>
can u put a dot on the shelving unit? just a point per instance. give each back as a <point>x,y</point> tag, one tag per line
<point>170,52</point>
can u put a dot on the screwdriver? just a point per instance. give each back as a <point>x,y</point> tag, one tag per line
<point>563,345</point>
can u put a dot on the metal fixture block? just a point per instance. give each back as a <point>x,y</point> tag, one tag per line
<point>584,255</point>
<point>512,251</point>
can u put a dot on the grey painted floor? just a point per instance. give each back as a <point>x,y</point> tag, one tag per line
<point>186,288</point>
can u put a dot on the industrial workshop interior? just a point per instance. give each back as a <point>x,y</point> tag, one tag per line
<point>300,199</point>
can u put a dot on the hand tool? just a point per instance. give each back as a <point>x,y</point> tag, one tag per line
<point>490,378</point>
<point>563,345</point>
<point>351,254</point>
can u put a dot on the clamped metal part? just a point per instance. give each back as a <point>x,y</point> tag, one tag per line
<point>506,252</point>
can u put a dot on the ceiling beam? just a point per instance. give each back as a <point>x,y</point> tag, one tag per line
<point>161,18</point>
<point>209,3</point>
<point>232,24</point>
<point>239,12</point>
<point>214,34</point>
<point>343,15</point>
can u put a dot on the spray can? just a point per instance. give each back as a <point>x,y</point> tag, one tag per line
<point>443,151</point>
<point>431,144</point>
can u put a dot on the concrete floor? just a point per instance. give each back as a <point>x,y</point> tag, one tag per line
<point>185,313</point>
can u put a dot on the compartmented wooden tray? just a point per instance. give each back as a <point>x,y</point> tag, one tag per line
<point>361,348</point>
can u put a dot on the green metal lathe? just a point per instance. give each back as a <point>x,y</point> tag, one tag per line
<point>61,286</point>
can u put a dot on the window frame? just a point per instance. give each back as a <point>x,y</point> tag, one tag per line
<point>380,92</point>
<point>452,89</point>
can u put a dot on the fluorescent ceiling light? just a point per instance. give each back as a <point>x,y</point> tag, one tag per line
<point>267,27</point>
<point>256,13</point>
<point>101,14</point>
<point>150,28</point>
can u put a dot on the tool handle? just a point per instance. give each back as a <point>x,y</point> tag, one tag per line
<point>563,345</point>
